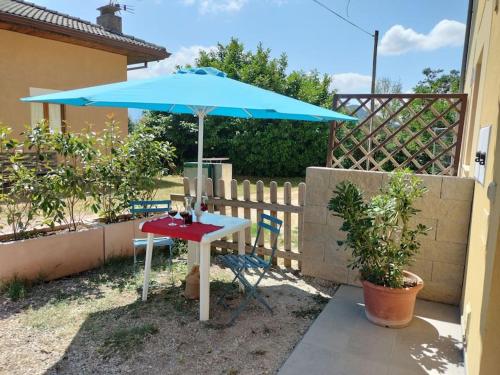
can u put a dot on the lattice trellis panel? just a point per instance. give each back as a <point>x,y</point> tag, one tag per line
<point>420,131</point>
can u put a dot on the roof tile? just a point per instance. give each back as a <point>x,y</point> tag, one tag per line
<point>42,14</point>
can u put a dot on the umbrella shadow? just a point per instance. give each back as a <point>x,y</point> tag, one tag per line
<point>160,332</point>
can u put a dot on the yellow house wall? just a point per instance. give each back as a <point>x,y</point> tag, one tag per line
<point>481,298</point>
<point>28,61</point>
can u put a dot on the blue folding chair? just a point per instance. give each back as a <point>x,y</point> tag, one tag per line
<point>238,264</point>
<point>147,208</point>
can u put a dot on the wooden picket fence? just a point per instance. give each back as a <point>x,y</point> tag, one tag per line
<point>289,249</point>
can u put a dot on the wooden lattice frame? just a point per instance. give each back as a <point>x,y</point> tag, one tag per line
<point>420,131</point>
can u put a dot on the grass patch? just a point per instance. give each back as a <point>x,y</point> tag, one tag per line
<point>16,288</point>
<point>124,340</point>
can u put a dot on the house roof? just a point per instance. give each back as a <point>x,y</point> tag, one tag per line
<point>29,18</point>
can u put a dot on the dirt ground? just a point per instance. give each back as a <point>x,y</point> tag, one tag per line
<point>95,323</point>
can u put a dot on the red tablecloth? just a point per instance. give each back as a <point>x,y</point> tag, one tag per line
<point>193,232</point>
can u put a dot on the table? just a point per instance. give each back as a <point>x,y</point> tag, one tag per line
<point>200,253</point>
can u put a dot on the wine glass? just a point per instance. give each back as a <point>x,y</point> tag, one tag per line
<point>184,214</point>
<point>172,212</point>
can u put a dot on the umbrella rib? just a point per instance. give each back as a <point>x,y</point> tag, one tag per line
<point>248,113</point>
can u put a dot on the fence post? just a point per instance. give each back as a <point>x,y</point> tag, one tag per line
<point>302,201</point>
<point>222,194</point>
<point>287,195</point>
<point>247,212</point>
<point>234,209</point>
<point>273,191</point>
<point>260,198</point>
<point>185,182</point>
<point>210,193</point>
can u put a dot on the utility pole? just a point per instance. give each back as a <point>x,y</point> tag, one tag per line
<point>374,83</point>
<point>374,64</point>
<point>372,102</point>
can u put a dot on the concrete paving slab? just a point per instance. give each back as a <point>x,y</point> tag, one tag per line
<point>342,341</point>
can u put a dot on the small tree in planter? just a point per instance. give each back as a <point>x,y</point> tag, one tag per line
<point>383,243</point>
<point>71,176</point>
<point>145,162</point>
<point>126,169</point>
<point>24,187</point>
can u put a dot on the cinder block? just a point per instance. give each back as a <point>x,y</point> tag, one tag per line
<point>337,255</point>
<point>452,229</point>
<point>354,278</point>
<point>318,191</point>
<point>316,232</point>
<point>431,224</point>
<point>444,208</point>
<point>325,271</point>
<point>448,273</point>
<point>315,214</point>
<point>433,185</point>
<point>448,252</point>
<point>458,188</point>
<point>441,292</point>
<point>422,268</point>
<point>314,250</point>
<point>368,181</point>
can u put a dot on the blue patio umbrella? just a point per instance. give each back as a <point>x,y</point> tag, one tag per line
<point>196,91</point>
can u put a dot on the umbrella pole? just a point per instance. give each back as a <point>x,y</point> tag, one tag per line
<point>199,182</point>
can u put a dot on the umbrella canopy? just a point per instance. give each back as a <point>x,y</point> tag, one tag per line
<point>196,91</point>
<point>188,90</point>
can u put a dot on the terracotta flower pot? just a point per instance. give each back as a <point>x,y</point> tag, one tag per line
<point>391,307</point>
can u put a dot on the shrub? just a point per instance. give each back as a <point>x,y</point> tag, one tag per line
<point>24,189</point>
<point>379,233</point>
<point>110,169</point>
<point>70,178</point>
<point>126,169</point>
<point>145,161</point>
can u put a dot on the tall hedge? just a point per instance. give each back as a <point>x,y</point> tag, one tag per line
<point>255,147</point>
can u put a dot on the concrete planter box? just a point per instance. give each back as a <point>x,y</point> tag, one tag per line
<point>66,253</point>
<point>53,256</point>
<point>118,239</point>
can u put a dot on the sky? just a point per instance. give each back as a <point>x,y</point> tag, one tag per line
<point>413,34</point>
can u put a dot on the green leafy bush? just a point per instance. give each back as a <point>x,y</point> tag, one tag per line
<point>70,178</point>
<point>125,169</point>
<point>24,188</point>
<point>379,232</point>
<point>103,172</point>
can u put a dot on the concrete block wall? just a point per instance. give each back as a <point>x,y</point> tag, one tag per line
<point>446,208</point>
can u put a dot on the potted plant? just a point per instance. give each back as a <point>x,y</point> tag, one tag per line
<point>383,242</point>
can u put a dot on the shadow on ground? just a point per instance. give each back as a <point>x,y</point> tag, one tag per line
<point>343,341</point>
<point>117,273</point>
<point>164,336</point>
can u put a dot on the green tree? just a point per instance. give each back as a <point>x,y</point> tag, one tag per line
<point>255,147</point>
<point>385,85</point>
<point>438,82</point>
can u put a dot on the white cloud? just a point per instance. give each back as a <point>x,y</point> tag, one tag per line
<point>348,83</point>
<point>216,6</point>
<point>398,39</point>
<point>184,56</point>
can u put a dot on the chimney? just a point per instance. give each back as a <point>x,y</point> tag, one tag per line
<point>108,19</point>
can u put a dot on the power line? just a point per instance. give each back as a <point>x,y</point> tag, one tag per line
<point>342,17</point>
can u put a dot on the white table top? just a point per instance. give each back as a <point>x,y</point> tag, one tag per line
<point>230,225</point>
